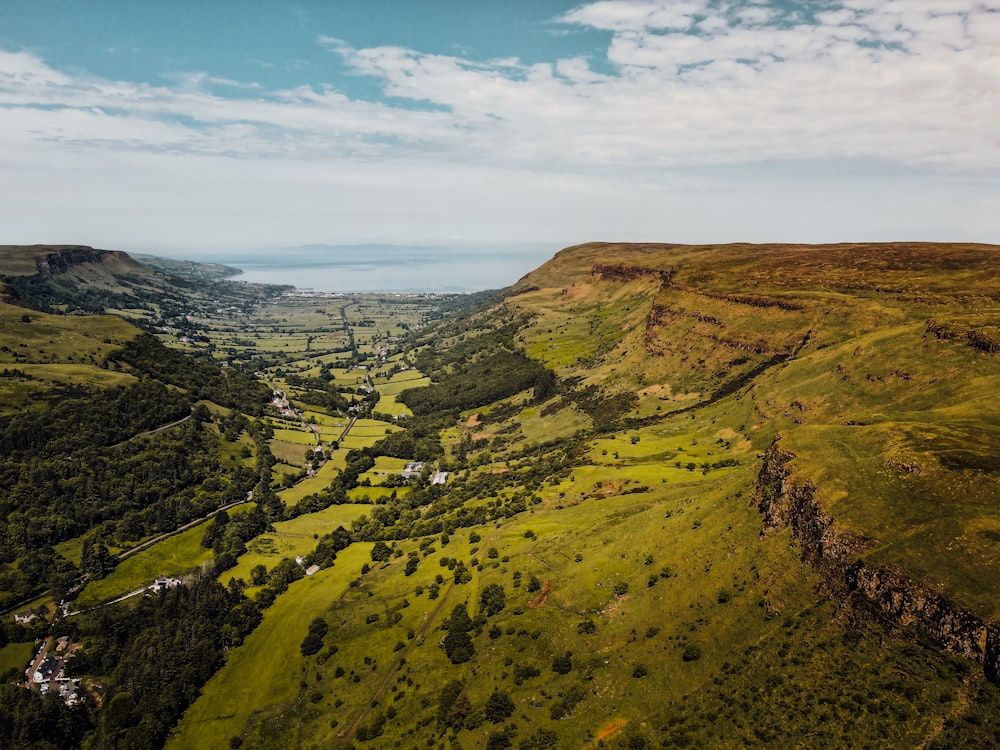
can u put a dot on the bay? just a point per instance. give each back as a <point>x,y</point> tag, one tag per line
<point>383,268</point>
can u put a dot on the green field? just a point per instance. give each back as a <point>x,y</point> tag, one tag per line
<point>292,538</point>
<point>371,494</point>
<point>300,437</point>
<point>230,701</point>
<point>15,657</point>
<point>173,556</point>
<point>367,432</point>
<point>401,381</point>
<point>390,404</point>
<point>309,485</point>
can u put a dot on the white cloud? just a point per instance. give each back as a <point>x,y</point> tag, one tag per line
<point>681,85</point>
<point>629,15</point>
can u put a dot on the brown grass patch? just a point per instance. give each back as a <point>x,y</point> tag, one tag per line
<point>659,388</point>
<point>539,600</point>
<point>606,731</point>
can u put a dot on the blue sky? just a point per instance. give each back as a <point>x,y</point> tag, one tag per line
<point>192,125</point>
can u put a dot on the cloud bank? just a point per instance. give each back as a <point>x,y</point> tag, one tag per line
<point>682,86</point>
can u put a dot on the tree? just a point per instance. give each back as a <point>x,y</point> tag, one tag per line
<point>411,565</point>
<point>258,575</point>
<point>492,600</point>
<point>311,644</point>
<point>458,643</point>
<point>462,574</point>
<point>499,707</point>
<point>96,560</point>
<point>562,663</point>
<point>381,552</point>
<point>200,413</point>
<point>545,386</point>
<point>499,740</point>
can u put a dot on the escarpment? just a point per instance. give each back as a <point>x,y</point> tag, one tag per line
<point>63,259</point>
<point>621,272</point>
<point>838,557</point>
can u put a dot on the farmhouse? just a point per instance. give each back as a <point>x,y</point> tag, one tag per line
<point>163,583</point>
<point>412,470</point>
<point>23,618</point>
<point>44,670</point>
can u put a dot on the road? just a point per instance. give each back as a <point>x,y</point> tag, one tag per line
<point>155,431</point>
<point>150,542</point>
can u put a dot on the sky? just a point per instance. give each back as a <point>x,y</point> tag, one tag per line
<point>186,126</point>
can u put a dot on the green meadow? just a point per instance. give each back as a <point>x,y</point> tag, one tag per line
<point>231,702</point>
<point>309,485</point>
<point>174,556</point>
<point>15,657</point>
<point>292,538</point>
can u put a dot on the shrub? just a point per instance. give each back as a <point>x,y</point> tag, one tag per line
<point>311,644</point>
<point>563,663</point>
<point>380,552</point>
<point>411,565</point>
<point>691,653</point>
<point>492,600</point>
<point>499,706</point>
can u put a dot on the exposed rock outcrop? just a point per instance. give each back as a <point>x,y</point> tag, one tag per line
<point>630,273</point>
<point>64,259</point>
<point>838,557</point>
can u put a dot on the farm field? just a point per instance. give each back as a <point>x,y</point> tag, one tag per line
<point>292,538</point>
<point>230,701</point>
<point>309,485</point>
<point>173,556</point>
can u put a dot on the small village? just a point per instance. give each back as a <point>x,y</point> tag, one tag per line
<point>47,671</point>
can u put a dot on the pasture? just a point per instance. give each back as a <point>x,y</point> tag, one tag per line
<point>230,701</point>
<point>174,556</point>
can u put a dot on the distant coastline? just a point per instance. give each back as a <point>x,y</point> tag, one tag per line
<point>379,268</point>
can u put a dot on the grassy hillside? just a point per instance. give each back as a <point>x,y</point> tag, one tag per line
<point>684,496</point>
<point>656,587</point>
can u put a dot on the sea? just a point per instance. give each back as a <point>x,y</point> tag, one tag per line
<point>382,268</point>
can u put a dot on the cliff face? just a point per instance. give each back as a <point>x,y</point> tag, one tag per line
<point>839,559</point>
<point>64,259</point>
<point>621,272</point>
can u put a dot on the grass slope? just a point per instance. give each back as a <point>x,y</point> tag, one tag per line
<point>256,679</point>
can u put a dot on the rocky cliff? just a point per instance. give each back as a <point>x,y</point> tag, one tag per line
<point>63,259</point>
<point>839,557</point>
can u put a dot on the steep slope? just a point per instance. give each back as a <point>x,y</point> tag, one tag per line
<point>704,531</point>
<point>82,279</point>
<point>875,365</point>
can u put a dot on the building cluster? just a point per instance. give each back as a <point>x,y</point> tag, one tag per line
<point>46,672</point>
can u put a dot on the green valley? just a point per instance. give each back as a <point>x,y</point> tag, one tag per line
<point>649,496</point>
